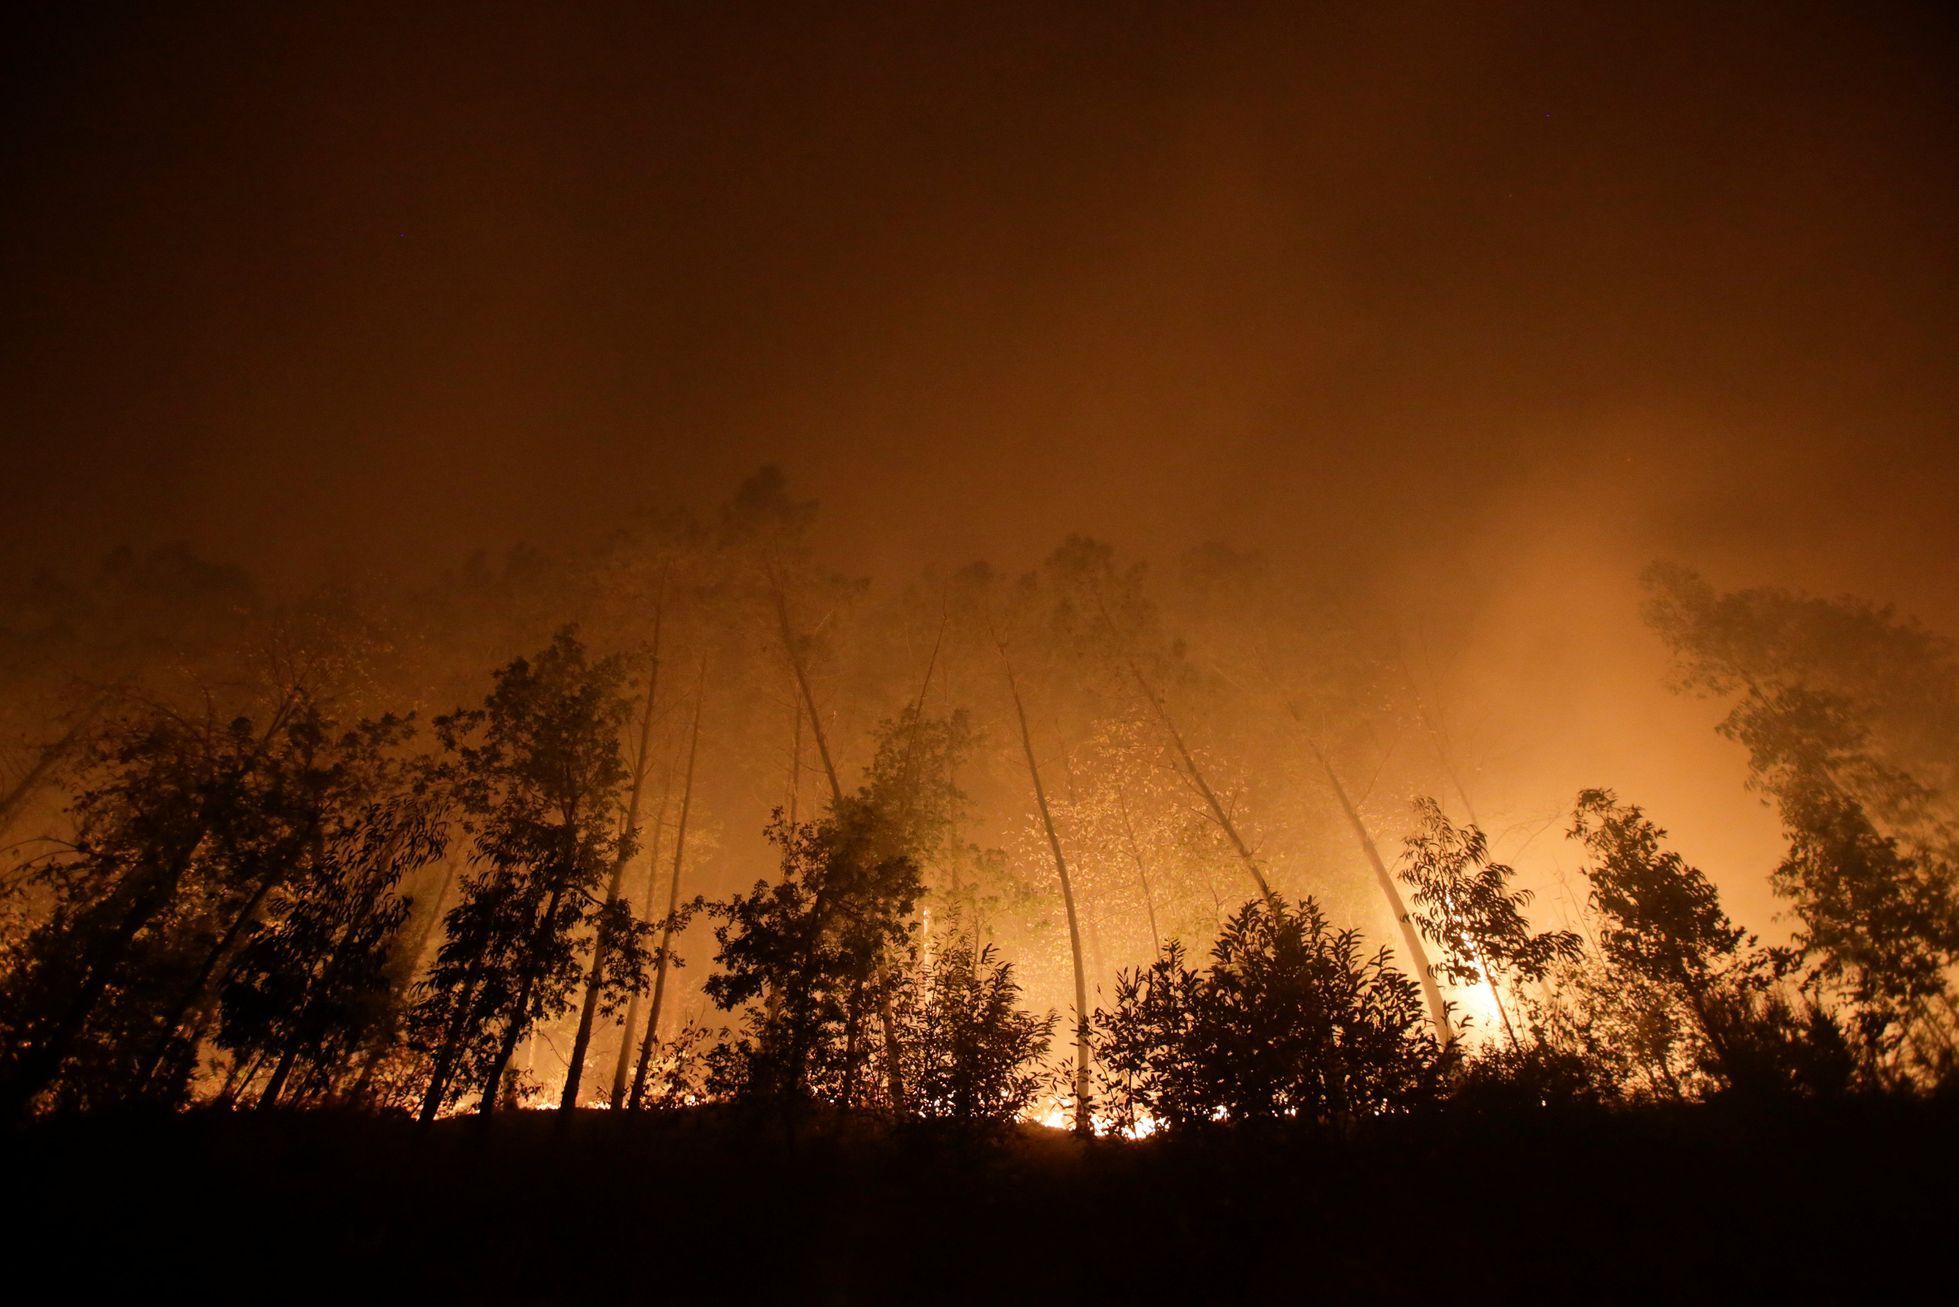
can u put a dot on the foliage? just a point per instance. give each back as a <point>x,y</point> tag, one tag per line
<point>1850,715</point>
<point>971,1054</point>
<point>311,987</point>
<point>1292,1021</point>
<point>537,772</point>
<point>184,828</point>
<point>1671,947</point>
<point>807,957</point>
<point>1882,928</point>
<point>1463,903</point>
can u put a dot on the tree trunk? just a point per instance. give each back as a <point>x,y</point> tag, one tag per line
<point>518,1024</point>
<point>1083,1122</point>
<point>794,651</point>
<point>588,1010</point>
<point>1142,874</point>
<point>194,994</point>
<point>1218,814</point>
<point>652,1037</point>
<point>1418,956</point>
<point>623,1065</point>
<point>452,1038</point>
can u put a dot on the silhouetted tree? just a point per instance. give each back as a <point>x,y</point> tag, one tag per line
<point>1083,1106</point>
<point>1463,902</point>
<point>1881,927</point>
<point>972,1055</point>
<point>539,776</point>
<point>1683,996</point>
<point>183,829</point>
<point>1851,720</point>
<point>310,989</point>
<point>808,956</point>
<point>1292,1021</point>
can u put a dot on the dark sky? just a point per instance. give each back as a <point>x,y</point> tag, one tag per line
<point>1477,306</point>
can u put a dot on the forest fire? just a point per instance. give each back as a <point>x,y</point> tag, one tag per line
<point>860,653</point>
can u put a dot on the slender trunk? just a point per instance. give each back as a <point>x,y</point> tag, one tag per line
<point>402,966</point>
<point>796,767</point>
<point>1418,956</point>
<point>194,993</point>
<point>588,1010</point>
<point>1082,1111</point>
<point>652,1037</point>
<point>452,1038</point>
<point>518,1024</point>
<point>852,1027</point>
<point>1443,754</point>
<point>1496,998</point>
<point>275,1086</point>
<point>794,650</point>
<point>623,1065</point>
<point>894,1066</point>
<point>1191,769</point>
<point>235,1080</point>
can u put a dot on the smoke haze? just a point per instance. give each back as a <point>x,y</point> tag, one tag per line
<point>1465,313</point>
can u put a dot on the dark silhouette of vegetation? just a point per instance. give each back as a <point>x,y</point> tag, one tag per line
<point>807,958</point>
<point>261,906</point>
<point>1463,902</point>
<point>1293,1020</point>
<point>537,774</point>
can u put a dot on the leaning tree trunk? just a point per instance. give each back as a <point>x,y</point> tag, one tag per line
<point>622,1066</point>
<point>452,1039</point>
<point>652,1038</point>
<point>1446,756</point>
<point>515,1025</point>
<point>1083,1123</point>
<point>1438,1011</point>
<point>1196,774</point>
<point>588,1010</point>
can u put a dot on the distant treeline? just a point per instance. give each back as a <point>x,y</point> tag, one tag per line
<point>253,884</point>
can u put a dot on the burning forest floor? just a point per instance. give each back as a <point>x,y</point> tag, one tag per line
<point>1706,1202</point>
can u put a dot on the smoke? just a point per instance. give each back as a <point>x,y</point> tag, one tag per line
<point>1463,315</point>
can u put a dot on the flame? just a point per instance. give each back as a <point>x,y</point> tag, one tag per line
<point>1059,1114</point>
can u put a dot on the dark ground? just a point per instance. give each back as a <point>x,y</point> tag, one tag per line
<point>1703,1203</point>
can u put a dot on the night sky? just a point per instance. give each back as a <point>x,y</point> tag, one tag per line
<point>1483,304</point>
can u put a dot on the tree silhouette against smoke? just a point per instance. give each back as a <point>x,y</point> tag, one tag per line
<point>1464,904</point>
<point>1850,716</point>
<point>538,775</point>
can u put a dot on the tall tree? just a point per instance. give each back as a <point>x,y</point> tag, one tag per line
<point>628,844</point>
<point>805,956</point>
<point>539,775</point>
<point>310,988</point>
<point>1850,715</point>
<point>1084,1105</point>
<point>183,824</point>
<point>664,959</point>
